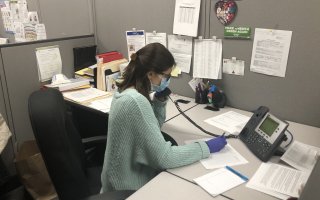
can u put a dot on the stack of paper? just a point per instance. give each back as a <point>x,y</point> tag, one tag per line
<point>103,105</point>
<point>278,180</point>
<point>284,182</point>
<point>71,84</point>
<point>85,95</point>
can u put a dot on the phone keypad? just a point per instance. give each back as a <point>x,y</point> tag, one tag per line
<point>258,141</point>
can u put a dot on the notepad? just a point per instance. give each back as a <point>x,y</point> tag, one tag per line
<point>220,180</point>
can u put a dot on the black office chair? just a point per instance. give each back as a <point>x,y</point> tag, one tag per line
<point>73,176</point>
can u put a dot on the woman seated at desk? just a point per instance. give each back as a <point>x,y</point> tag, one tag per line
<point>136,149</point>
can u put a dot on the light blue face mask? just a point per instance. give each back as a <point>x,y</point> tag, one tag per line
<point>163,85</point>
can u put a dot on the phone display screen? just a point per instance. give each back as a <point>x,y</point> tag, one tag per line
<point>268,126</point>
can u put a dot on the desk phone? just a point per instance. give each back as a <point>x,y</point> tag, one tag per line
<point>263,133</point>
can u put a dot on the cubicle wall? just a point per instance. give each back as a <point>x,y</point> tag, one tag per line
<point>7,154</point>
<point>21,77</point>
<point>61,18</point>
<point>295,97</point>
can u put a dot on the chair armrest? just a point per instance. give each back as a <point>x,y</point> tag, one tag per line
<point>95,148</point>
<point>94,141</point>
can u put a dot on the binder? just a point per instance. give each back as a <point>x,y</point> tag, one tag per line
<point>104,69</point>
<point>110,56</point>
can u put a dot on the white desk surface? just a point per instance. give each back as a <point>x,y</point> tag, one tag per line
<point>166,186</point>
<point>172,111</point>
<point>181,129</point>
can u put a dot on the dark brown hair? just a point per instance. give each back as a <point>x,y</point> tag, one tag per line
<point>153,57</point>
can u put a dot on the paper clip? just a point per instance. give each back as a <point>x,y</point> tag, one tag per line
<point>134,29</point>
<point>233,59</point>
<point>214,38</point>
<point>200,37</point>
<point>154,32</point>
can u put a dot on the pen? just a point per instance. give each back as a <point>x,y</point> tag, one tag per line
<point>243,177</point>
<point>223,134</point>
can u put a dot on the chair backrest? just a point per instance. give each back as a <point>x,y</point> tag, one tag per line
<point>59,143</point>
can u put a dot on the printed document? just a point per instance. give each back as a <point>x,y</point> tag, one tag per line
<point>135,41</point>
<point>49,62</point>
<point>207,59</point>
<point>186,17</point>
<point>85,95</point>
<point>181,49</point>
<point>103,105</point>
<point>156,37</point>
<point>219,181</point>
<point>270,51</point>
<point>278,180</point>
<point>231,122</point>
<point>301,156</point>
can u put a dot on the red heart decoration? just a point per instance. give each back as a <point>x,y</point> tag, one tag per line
<point>226,11</point>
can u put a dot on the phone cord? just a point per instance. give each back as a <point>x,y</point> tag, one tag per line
<point>196,125</point>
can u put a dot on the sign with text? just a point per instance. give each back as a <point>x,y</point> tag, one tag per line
<point>237,32</point>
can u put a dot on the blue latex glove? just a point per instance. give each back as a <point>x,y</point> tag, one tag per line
<point>216,144</point>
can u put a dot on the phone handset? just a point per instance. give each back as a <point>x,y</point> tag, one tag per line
<point>263,133</point>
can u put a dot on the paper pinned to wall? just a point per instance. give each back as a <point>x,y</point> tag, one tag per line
<point>33,17</point>
<point>156,37</point>
<point>207,59</point>
<point>186,17</point>
<point>270,51</point>
<point>49,62</point>
<point>41,31</point>
<point>181,49</point>
<point>233,66</point>
<point>135,41</point>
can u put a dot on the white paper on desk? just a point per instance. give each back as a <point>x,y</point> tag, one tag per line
<point>278,178</point>
<point>231,122</point>
<point>219,181</point>
<point>181,49</point>
<point>207,58</point>
<point>186,17</point>
<point>301,156</point>
<point>156,37</point>
<point>228,156</point>
<point>85,94</point>
<point>270,51</point>
<point>103,105</point>
<point>135,41</point>
<point>49,62</point>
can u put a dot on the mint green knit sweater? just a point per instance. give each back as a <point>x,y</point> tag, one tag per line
<point>136,150</point>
